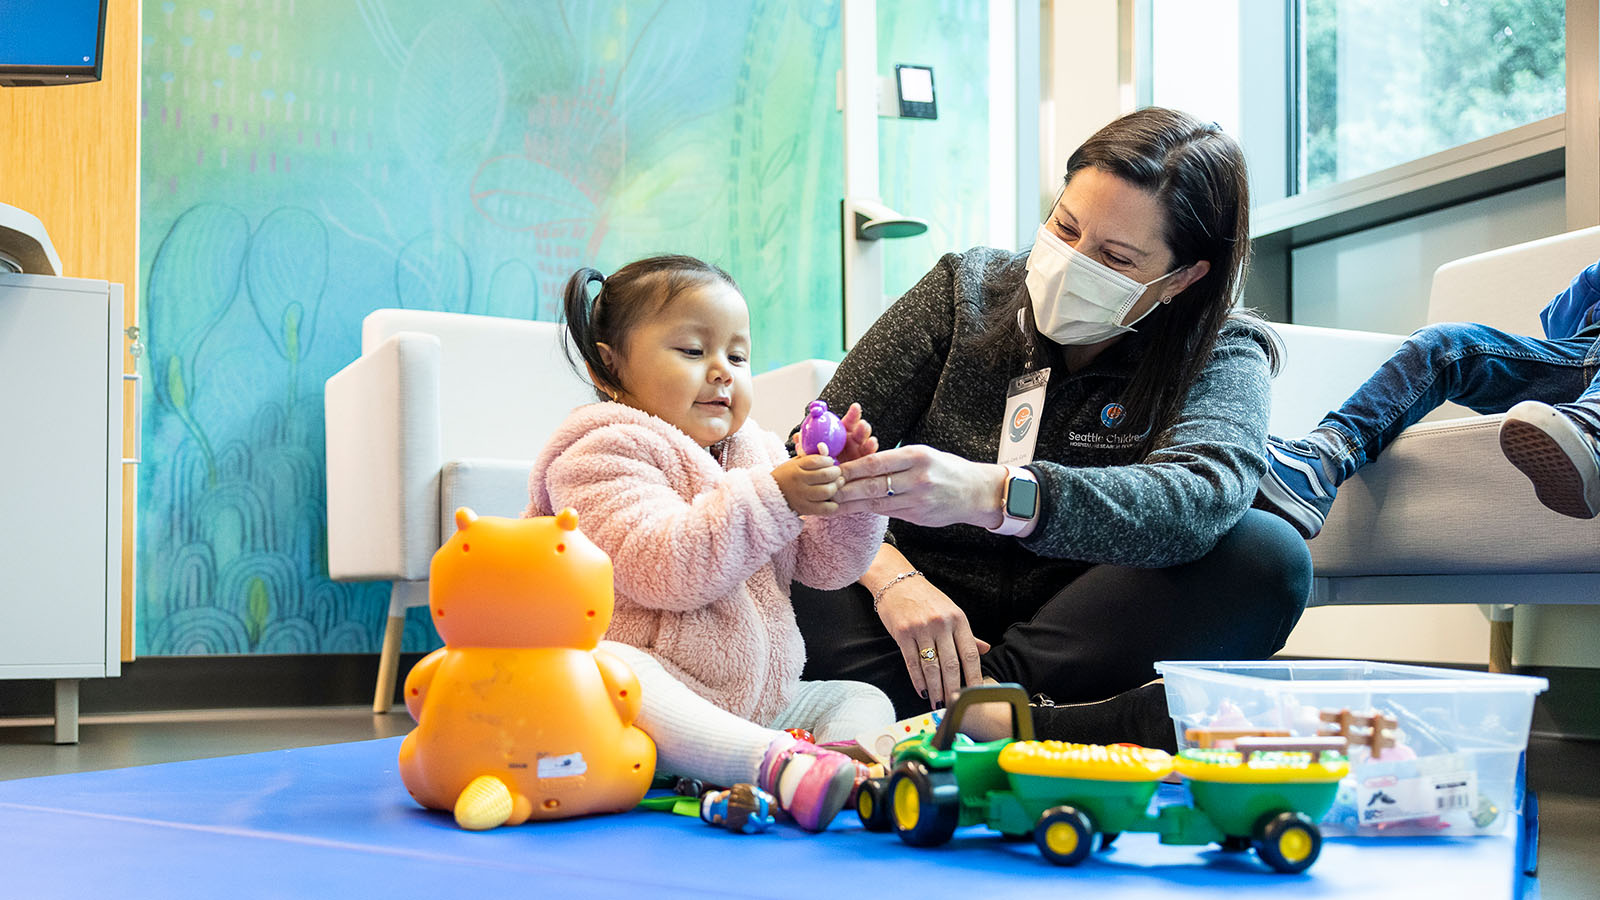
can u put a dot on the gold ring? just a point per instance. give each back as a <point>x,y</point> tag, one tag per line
<point>888,482</point>
<point>929,653</point>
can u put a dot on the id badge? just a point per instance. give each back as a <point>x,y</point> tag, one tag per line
<point>1019,432</point>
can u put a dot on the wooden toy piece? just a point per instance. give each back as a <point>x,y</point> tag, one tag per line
<point>1314,745</point>
<point>519,716</point>
<point>1375,731</point>
<point>1206,738</point>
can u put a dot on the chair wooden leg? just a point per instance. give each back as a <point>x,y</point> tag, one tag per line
<point>388,664</point>
<point>66,710</point>
<point>1500,645</point>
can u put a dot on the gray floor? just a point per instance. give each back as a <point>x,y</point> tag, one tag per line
<point>1565,773</point>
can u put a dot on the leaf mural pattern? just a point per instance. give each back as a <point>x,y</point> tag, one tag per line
<point>514,294</point>
<point>432,272</point>
<point>303,164</point>
<point>286,272</point>
<point>193,280</point>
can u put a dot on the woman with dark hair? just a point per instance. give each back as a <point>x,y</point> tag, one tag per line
<point>1070,494</point>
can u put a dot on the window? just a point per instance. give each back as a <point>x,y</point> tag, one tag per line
<point>1383,82</point>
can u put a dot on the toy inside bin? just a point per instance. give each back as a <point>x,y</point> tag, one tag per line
<point>1459,735</point>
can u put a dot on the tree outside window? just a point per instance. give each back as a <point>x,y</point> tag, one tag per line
<point>1384,82</point>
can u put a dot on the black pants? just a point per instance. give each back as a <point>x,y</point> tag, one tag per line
<point>1100,634</point>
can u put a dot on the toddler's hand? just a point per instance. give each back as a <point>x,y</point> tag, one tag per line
<point>809,483</point>
<point>859,441</point>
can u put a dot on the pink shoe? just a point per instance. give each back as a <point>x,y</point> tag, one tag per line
<point>862,771</point>
<point>811,784</point>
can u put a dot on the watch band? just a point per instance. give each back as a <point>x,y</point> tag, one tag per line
<point>1009,524</point>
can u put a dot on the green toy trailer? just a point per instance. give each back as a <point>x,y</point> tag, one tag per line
<point>1065,794</point>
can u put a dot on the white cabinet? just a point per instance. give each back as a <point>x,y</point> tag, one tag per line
<point>60,483</point>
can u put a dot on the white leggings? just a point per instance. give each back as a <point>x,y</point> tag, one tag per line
<point>696,738</point>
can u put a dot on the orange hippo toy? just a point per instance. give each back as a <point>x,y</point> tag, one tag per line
<point>519,716</point>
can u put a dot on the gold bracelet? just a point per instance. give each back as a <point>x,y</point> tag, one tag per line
<point>877,595</point>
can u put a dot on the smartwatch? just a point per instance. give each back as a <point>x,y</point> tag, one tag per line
<point>1019,504</point>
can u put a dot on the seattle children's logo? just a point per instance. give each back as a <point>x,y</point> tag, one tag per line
<point>1021,421</point>
<point>1111,416</point>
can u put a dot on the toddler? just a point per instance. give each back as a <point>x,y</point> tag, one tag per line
<point>707,521</point>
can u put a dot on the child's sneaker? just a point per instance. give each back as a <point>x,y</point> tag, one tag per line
<point>1557,454</point>
<point>1296,486</point>
<point>811,784</point>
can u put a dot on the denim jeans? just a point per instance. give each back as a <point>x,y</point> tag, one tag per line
<point>1482,368</point>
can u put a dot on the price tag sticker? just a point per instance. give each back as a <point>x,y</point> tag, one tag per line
<point>1415,788</point>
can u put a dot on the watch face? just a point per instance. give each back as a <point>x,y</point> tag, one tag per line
<point>1022,499</point>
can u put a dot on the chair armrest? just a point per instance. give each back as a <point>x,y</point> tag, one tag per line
<point>489,487</point>
<point>1322,367</point>
<point>383,457</point>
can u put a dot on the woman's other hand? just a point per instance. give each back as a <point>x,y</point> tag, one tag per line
<point>919,616</point>
<point>809,483</point>
<point>924,486</point>
<point>859,441</point>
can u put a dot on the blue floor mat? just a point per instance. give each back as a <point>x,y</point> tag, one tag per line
<point>336,822</point>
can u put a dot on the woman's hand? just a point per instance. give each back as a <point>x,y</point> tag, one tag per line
<point>859,441</point>
<point>809,483</point>
<point>919,616</point>
<point>924,486</point>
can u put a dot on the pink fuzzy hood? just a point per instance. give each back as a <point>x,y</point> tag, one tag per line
<point>703,557</point>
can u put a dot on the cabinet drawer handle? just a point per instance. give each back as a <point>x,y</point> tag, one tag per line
<point>138,416</point>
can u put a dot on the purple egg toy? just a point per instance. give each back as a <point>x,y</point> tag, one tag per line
<point>821,431</point>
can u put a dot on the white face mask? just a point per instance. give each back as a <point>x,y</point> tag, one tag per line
<point>1077,300</point>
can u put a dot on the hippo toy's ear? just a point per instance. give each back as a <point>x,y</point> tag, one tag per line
<point>464,517</point>
<point>567,519</point>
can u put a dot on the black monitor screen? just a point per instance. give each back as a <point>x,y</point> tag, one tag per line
<point>50,41</point>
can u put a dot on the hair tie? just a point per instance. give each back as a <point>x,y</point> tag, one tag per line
<point>594,303</point>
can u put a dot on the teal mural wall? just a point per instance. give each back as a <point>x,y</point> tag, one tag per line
<point>305,163</point>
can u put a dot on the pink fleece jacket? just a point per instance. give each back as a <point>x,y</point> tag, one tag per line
<point>703,556</point>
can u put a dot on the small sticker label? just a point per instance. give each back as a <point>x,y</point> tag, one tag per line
<point>565,766</point>
<point>1415,788</point>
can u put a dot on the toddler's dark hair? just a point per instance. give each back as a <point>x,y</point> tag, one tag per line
<point>632,293</point>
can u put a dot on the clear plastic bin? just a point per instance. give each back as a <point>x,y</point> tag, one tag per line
<point>1461,735</point>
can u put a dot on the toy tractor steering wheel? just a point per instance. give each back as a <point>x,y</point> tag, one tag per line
<point>1021,715</point>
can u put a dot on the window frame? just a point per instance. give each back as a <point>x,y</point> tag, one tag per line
<point>1538,151</point>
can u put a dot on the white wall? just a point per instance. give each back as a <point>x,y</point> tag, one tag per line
<point>1456,633</point>
<point>1378,279</point>
<point>1086,88</point>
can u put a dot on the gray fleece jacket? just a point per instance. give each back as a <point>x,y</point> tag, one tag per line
<point>919,381</point>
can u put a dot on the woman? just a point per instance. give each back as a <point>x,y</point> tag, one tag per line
<point>1125,536</point>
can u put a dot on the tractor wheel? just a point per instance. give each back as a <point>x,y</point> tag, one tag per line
<point>925,804</point>
<point>1288,841</point>
<point>872,804</point>
<point>1065,835</point>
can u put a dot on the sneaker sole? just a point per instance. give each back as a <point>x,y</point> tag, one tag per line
<point>1305,518</point>
<point>1546,456</point>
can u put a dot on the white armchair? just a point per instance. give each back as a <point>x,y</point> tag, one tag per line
<point>1441,517</point>
<point>445,410</point>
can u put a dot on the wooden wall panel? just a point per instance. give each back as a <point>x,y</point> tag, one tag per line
<point>70,156</point>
